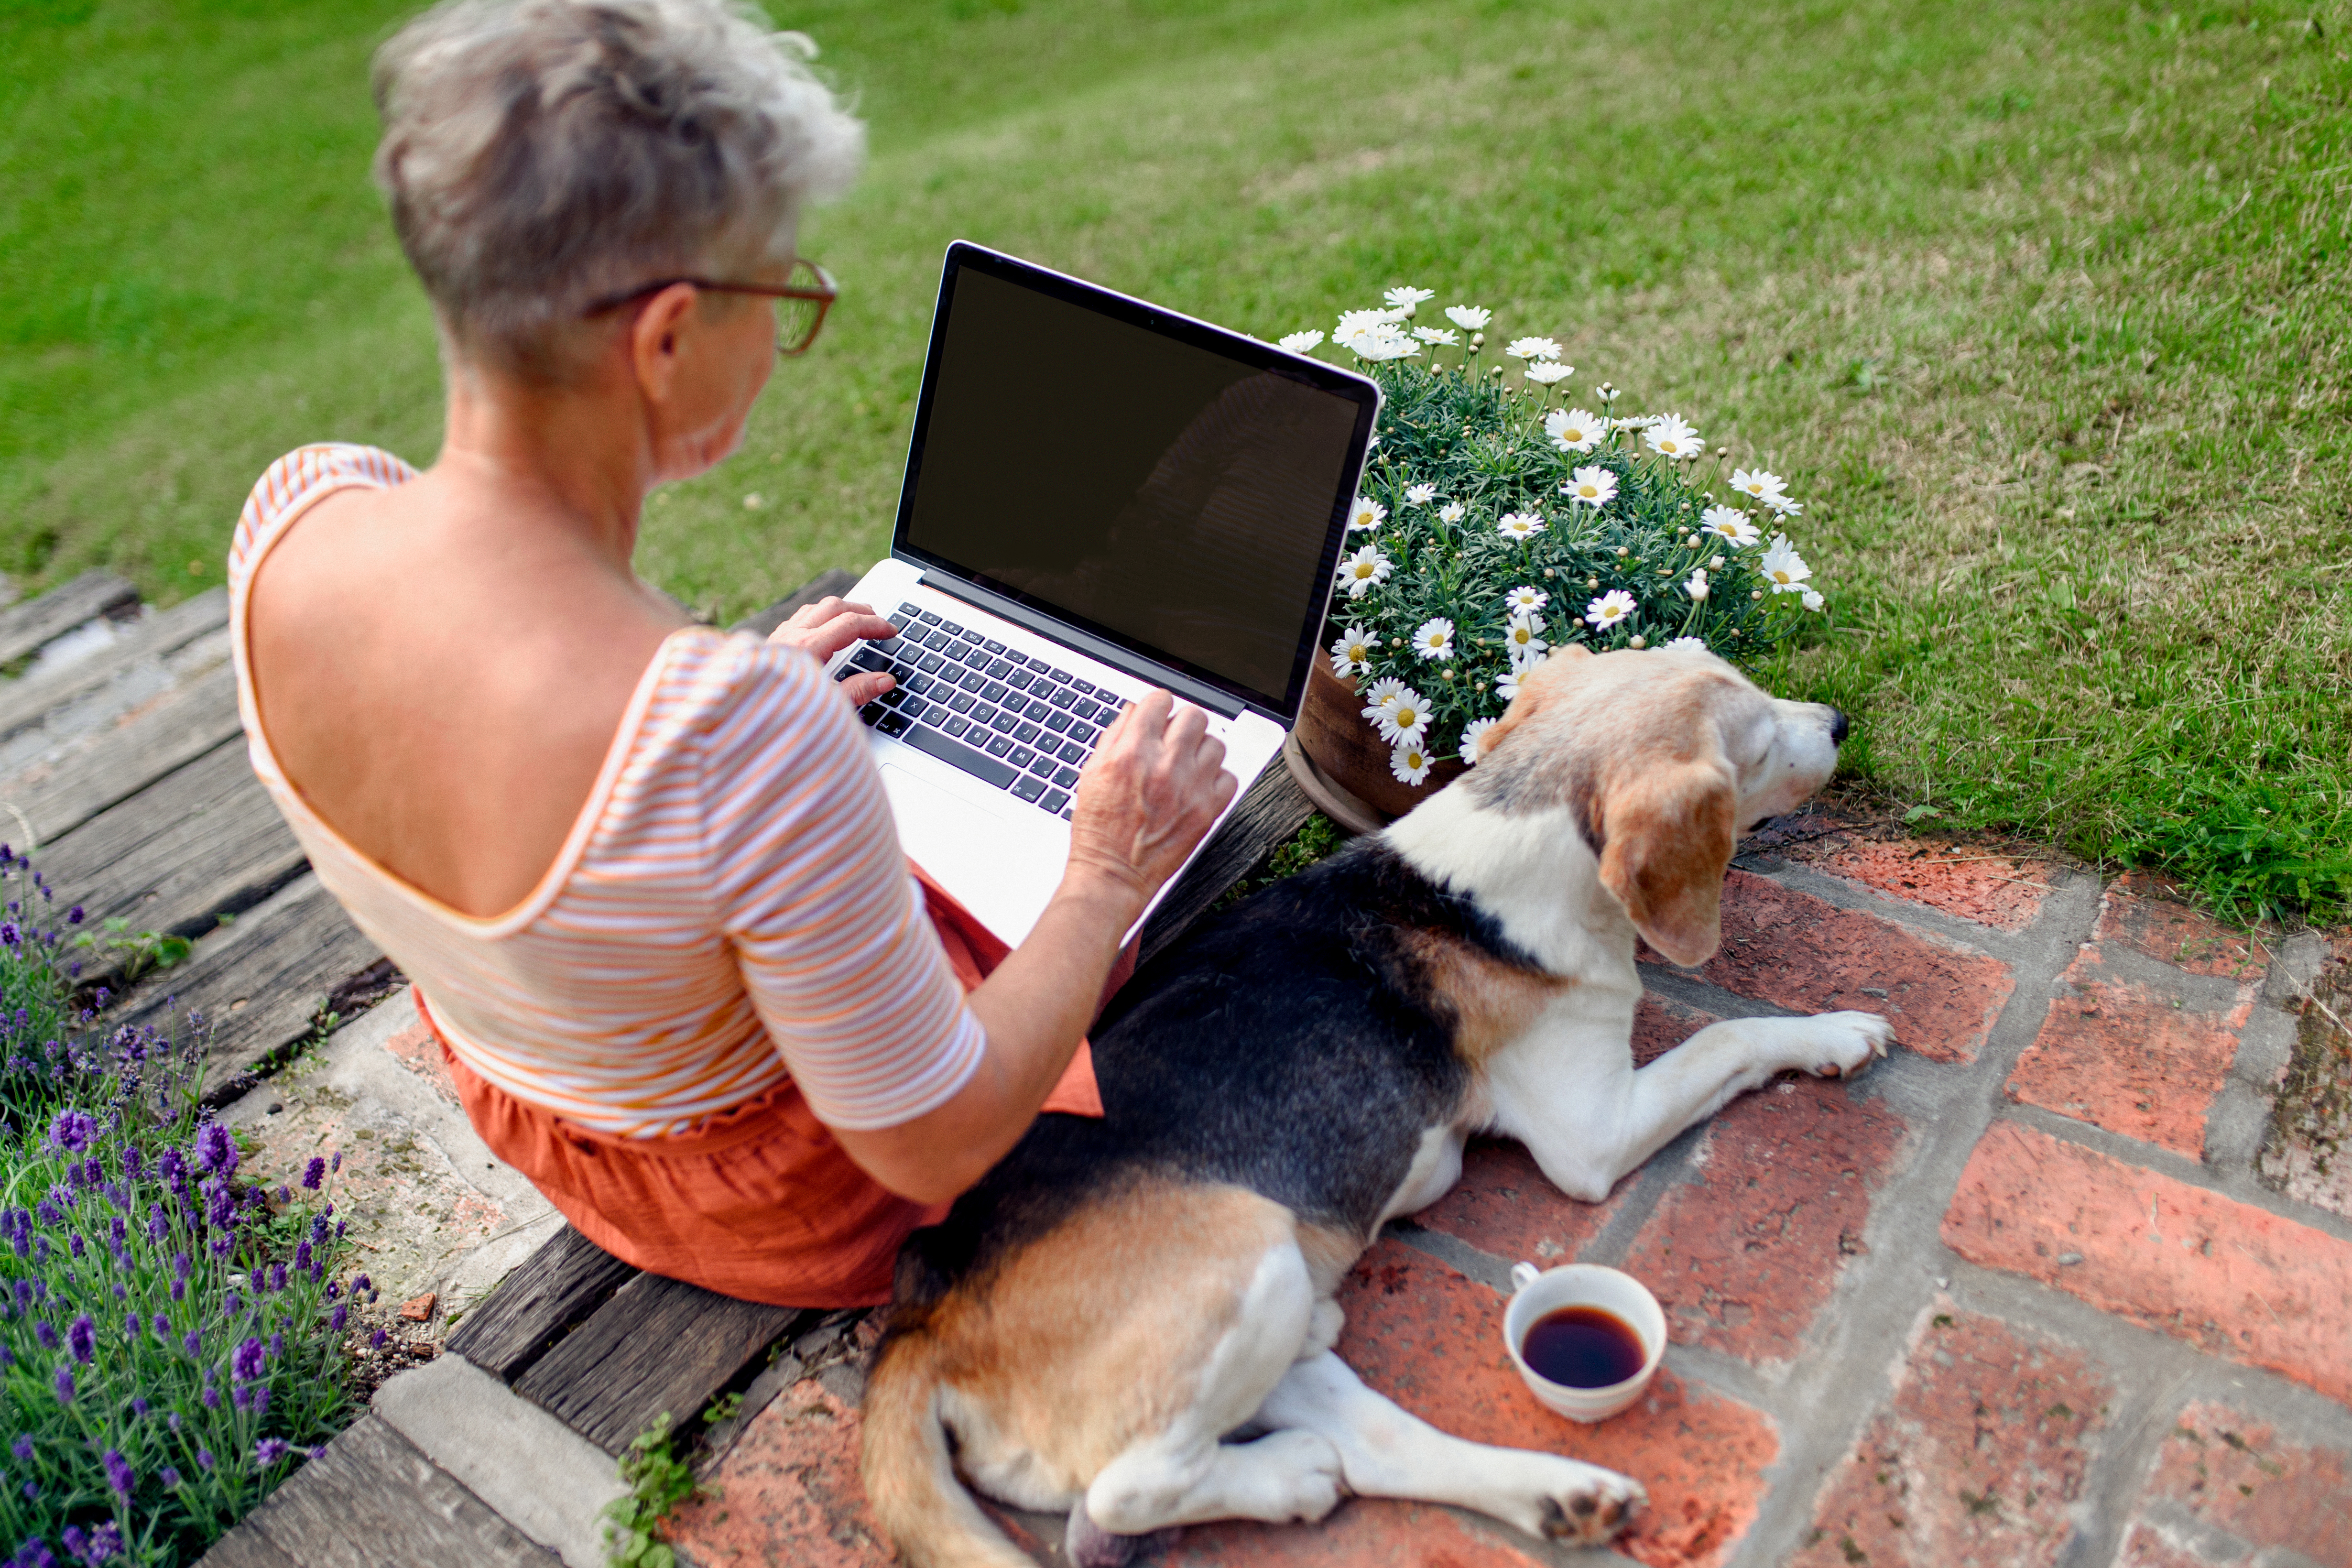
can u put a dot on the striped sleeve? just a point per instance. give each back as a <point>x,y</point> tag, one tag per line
<point>812,892</point>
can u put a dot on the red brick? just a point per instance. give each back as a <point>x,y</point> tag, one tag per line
<point>1990,890</point>
<point>1661,1024</point>
<point>1742,1259</point>
<point>1976,1458</point>
<point>2231,1278</point>
<point>2228,1471</point>
<point>2136,913</point>
<point>2145,1547</point>
<point>1432,1339</point>
<point>1363,1532</point>
<point>1801,953</point>
<point>1503,1204</point>
<point>788,1493</point>
<point>2126,1057</point>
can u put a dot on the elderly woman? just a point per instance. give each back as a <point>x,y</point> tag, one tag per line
<point>642,873</point>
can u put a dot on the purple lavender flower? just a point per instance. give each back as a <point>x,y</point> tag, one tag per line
<point>73,916</point>
<point>205,1459</point>
<point>23,1448</point>
<point>119,1473</point>
<point>336,1319</point>
<point>163,1327</point>
<point>63,1383</point>
<point>49,1212</point>
<point>105,1544</point>
<point>313,1174</point>
<point>216,1150</point>
<point>168,1476</point>
<point>81,1338</point>
<point>277,1276</point>
<point>158,1227</point>
<point>260,1401</point>
<point>339,1228</point>
<point>72,1131</point>
<point>257,1279</point>
<point>182,1264</point>
<point>179,1289</point>
<point>302,1254</point>
<point>135,1163</point>
<point>134,1327</point>
<point>211,1397</point>
<point>139,1407</point>
<point>7,1356</point>
<point>172,1165</point>
<point>34,1553</point>
<point>231,1303</point>
<point>362,1283</point>
<point>47,1332</point>
<point>284,1193</point>
<point>376,1340</point>
<point>76,1244</point>
<point>194,1341</point>
<point>247,1362</point>
<point>24,1295</point>
<point>267,1452</point>
<point>277,1347</point>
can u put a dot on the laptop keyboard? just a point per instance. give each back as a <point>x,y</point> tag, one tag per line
<point>1011,721</point>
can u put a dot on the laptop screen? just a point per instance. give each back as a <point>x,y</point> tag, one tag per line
<point>1176,488</point>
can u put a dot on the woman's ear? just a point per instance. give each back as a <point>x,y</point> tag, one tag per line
<point>655,340</point>
<point>1668,840</point>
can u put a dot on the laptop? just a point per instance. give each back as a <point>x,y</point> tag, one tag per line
<point>1102,496</point>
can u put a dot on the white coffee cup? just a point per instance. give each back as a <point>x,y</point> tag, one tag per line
<point>1584,1285</point>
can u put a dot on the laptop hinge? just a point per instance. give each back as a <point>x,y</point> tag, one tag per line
<point>1093,647</point>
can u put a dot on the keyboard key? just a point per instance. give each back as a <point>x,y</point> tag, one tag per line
<point>1039,665</point>
<point>930,664</point>
<point>1025,734</point>
<point>1089,712</point>
<point>1003,722</point>
<point>1060,677</point>
<point>1063,698</point>
<point>970,639</point>
<point>1057,722</point>
<point>925,616</point>
<point>960,755</point>
<point>998,746</point>
<point>998,668</point>
<point>1055,800</point>
<point>1085,734</point>
<point>1065,813</point>
<point>1043,765</point>
<point>915,707</point>
<point>993,646</point>
<point>984,714</point>
<point>961,702</point>
<point>972,680</point>
<point>870,658</point>
<point>916,682</point>
<point>1021,757</point>
<point>1038,710</point>
<point>1029,788</point>
<point>956,724</point>
<point>993,691</point>
<point>1085,688</point>
<point>1019,679</point>
<point>892,723</point>
<point>1072,751</point>
<point>1067,778</point>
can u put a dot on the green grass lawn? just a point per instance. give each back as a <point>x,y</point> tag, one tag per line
<point>2040,305</point>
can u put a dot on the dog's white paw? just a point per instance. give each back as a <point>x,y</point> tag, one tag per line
<point>1843,1043</point>
<point>1566,1500</point>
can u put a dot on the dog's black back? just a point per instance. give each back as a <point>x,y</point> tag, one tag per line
<point>1293,1046</point>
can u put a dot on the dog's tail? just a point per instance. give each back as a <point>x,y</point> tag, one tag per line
<point>910,1479</point>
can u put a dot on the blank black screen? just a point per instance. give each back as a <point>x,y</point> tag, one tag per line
<point>1174,496</point>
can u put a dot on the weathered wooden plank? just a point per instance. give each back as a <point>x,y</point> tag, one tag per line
<point>259,982</point>
<point>373,1498</point>
<point>198,843</point>
<point>52,799</point>
<point>25,626</point>
<point>1271,812</point>
<point>657,1346</point>
<point>568,1278</point>
<point>835,580</point>
<point>246,1547</point>
<point>24,702</point>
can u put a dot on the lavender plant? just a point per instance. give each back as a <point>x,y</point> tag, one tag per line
<point>169,1338</point>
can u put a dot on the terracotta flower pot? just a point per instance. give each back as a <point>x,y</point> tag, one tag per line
<point>1342,763</point>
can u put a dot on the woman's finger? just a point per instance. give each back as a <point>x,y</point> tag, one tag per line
<point>866,686</point>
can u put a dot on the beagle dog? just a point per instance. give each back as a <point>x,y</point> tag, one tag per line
<point>1132,1318</point>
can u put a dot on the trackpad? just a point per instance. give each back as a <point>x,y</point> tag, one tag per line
<point>985,857</point>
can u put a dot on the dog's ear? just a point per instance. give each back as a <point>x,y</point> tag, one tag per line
<point>1669,838</point>
<point>1538,686</point>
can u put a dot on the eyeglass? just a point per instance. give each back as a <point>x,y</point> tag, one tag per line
<point>801,303</point>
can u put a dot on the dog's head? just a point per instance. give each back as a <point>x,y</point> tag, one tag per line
<point>1664,759</point>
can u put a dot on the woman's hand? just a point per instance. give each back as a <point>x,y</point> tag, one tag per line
<point>1155,785</point>
<point>830,624</point>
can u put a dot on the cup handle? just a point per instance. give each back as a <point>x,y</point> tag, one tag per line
<point>1523,1275</point>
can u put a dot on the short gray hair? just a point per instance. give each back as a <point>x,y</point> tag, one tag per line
<point>539,155</point>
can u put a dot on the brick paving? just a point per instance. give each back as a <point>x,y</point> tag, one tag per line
<point>2016,1296</point>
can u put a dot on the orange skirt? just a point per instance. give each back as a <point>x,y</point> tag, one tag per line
<point>759,1202</point>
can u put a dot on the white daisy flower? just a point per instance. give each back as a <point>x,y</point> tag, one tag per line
<point>1784,568</point>
<point>1352,654</point>
<point>1524,600</point>
<point>1729,522</point>
<point>1408,299</point>
<point>1518,527</point>
<point>1469,318</point>
<point>1508,688</point>
<point>1420,494</point>
<point>1379,694</point>
<point>1366,567</point>
<point>1410,763</point>
<point>1532,348</point>
<point>1433,639</point>
<point>1403,717</point>
<point>1783,506</point>
<point>1756,484</point>
<point>1610,608</point>
<point>1814,601</point>
<point>1545,374</point>
<point>1683,645</point>
<point>1356,323</point>
<point>1522,638</point>
<point>1595,488</point>
<point>1670,437</point>
<point>1437,337</point>
<point>1299,343</point>
<point>1696,588</point>
<point>1471,734</point>
<point>1576,430</point>
<point>1453,512</point>
<point>1382,345</point>
<point>1634,422</point>
<point>1366,513</point>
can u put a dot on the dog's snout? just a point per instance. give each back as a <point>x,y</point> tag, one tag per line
<point>1837,727</point>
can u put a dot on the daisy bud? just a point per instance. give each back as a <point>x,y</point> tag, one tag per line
<point>1623,552</point>
<point>1757,595</point>
<point>1593,582</point>
<point>1550,572</point>
<point>1637,641</point>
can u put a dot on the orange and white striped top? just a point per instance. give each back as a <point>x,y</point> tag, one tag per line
<point>731,907</point>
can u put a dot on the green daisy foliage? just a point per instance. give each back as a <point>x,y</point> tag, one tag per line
<point>1474,432</point>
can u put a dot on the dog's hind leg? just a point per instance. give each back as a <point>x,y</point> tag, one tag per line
<point>1385,1452</point>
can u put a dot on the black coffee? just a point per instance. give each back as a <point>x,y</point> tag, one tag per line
<point>1583,1347</point>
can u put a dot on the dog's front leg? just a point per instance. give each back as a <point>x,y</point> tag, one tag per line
<point>1385,1451</point>
<point>1589,1121</point>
